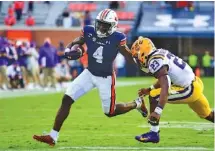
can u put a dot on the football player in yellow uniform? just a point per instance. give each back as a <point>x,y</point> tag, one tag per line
<point>176,84</point>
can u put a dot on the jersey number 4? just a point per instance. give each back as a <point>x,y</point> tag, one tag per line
<point>98,54</point>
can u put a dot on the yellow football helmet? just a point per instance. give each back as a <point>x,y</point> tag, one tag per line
<point>142,48</point>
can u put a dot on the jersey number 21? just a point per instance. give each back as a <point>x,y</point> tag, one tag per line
<point>98,54</point>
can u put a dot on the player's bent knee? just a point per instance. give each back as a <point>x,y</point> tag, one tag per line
<point>67,100</point>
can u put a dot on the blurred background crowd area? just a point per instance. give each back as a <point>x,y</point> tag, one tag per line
<point>23,65</point>
<point>34,35</point>
<point>74,14</point>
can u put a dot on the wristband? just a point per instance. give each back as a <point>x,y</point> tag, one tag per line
<point>158,110</point>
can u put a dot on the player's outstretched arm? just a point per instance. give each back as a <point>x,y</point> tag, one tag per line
<point>78,40</point>
<point>146,91</point>
<point>165,83</point>
<point>125,51</point>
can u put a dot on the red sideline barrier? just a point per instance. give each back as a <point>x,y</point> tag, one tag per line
<point>125,15</point>
<point>80,7</point>
<point>124,26</point>
<point>24,35</point>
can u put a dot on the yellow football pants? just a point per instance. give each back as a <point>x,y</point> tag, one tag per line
<point>192,95</point>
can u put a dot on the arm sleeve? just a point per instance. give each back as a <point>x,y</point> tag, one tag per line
<point>122,39</point>
<point>84,31</point>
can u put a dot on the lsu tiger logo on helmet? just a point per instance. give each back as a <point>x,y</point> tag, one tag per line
<point>141,49</point>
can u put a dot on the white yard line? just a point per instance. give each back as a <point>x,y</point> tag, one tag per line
<point>25,92</point>
<point>183,124</point>
<point>133,148</point>
<point>164,124</point>
<point>116,148</point>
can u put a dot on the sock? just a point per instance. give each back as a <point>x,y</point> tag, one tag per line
<point>54,134</point>
<point>155,128</point>
<point>138,101</point>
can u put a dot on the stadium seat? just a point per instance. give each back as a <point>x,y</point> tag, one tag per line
<point>125,15</point>
<point>80,7</point>
<point>125,27</point>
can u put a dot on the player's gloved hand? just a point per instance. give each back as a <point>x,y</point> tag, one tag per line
<point>143,91</point>
<point>154,119</point>
<point>73,55</point>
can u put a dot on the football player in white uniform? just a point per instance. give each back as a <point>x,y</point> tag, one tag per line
<point>176,84</point>
<point>103,42</point>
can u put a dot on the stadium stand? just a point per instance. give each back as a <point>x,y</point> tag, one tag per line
<point>42,12</point>
<point>163,18</point>
<point>174,20</point>
<point>170,20</point>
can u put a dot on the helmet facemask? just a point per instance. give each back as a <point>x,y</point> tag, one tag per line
<point>103,29</point>
<point>142,58</point>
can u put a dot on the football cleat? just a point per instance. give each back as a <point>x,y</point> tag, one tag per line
<point>142,109</point>
<point>45,139</point>
<point>151,136</point>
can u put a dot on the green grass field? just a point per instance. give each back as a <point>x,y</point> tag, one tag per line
<point>87,128</point>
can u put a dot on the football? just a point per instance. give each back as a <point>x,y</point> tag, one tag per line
<point>75,52</point>
<point>77,47</point>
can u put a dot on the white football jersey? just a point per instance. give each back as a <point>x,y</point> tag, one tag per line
<point>179,71</point>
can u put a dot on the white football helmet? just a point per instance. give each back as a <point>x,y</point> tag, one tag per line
<point>106,23</point>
